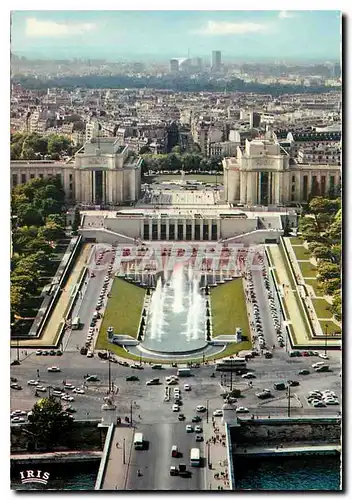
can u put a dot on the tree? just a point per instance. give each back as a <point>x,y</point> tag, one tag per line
<point>57,144</point>
<point>328,271</point>
<point>322,253</point>
<point>76,220</point>
<point>336,307</point>
<point>28,215</point>
<point>17,299</point>
<point>49,423</point>
<point>51,232</point>
<point>144,150</point>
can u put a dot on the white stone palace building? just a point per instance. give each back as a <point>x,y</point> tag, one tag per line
<point>262,173</point>
<point>102,173</point>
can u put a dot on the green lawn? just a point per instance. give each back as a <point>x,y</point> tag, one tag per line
<point>296,241</point>
<point>308,270</point>
<point>208,179</point>
<point>332,327</point>
<point>314,284</point>
<point>301,253</point>
<point>123,311</point>
<point>228,307</point>
<point>287,267</point>
<point>321,307</point>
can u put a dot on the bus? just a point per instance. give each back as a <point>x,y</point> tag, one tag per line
<point>138,441</point>
<point>195,457</point>
<point>231,364</point>
<point>76,323</point>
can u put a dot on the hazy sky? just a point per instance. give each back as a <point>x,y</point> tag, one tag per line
<point>135,35</point>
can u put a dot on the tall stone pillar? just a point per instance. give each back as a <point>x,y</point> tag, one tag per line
<point>167,229</point>
<point>243,187</point>
<point>150,229</point>
<point>209,229</point>
<point>193,222</point>
<point>159,228</point>
<point>201,229</point>
<point>218,235</point>
<point>184,229</point>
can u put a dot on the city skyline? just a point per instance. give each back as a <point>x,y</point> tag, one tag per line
<point>130,35</point>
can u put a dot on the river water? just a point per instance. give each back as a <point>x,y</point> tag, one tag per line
<point>288,473</point>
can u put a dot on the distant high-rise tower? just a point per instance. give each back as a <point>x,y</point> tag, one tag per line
<point>174,66</point>
<point>216,60</point>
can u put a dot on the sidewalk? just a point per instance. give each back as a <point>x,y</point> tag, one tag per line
<point>117,466</point>
<point>216,454</point>
<point>49,334</point>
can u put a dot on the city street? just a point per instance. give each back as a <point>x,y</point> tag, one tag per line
<point>149,399</point>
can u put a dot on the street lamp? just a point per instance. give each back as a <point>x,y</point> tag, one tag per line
<point>207,410</point>
<point>326,337</point>
<point>289,401</point>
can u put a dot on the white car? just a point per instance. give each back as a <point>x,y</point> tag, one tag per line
<point>176,390</point>
<point>108,407</point>
<point>32,382</point>
<point>201,408</point>
<point>198,429</point>
<point>172,382</point>
<point>189,428</point>
<point>40,388</point>
<point>70,387</point>
<point>89,354</point>
<point>242,409</point>
<point>17,420</point>
<point>322,355</point>
<point>77,390</point>
<point>18,413</point>
<point>67,398</point>
<point>58,393</point>
<point>187,387</point>
<point>175,408</point>
<point>218,413</point>
<point>316,365</point>
<point>248,375</point>
<point>54,369</point>
<point>39,352</point>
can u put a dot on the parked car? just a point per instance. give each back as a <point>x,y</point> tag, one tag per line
<point>132,378</point>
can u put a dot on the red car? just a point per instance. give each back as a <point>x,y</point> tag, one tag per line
<point>305,353</point>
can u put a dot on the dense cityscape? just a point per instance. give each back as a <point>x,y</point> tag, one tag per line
<point>176,312</point>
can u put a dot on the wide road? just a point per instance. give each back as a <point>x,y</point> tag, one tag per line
<point>155,461</point>
<point>265,312</point>
<point>86,303</point>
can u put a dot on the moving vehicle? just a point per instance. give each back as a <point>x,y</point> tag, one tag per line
<point>323,368</point>
<point>316,365</point>
<point>195,457</point>
<point>174,451</point>
<point>242,409</point>
<point>280,386</point>
<point>201,408</point>
<point>132,378</point>
<point>92,378</point>
<point>16,386</point>
<point>264,394</point>
<point>157,367</point>
<point>184,372</point>
<point>231,364</point>
<point>174,470</point>
<point>76,323</point>
<point>218,413</point>
<point>187,387</point>
<point>196,418</point>
<point>304,372</point>
<point>153,381</point>
<point>293,383</point>
<point>54,369</point>
<point>138,441</point>
<point>322,355</point>
<point>248,375</point>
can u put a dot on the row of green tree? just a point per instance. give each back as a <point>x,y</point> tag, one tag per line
<point>25,146</point>
<point>38,223</point>
<point>176,161</point>
<point>321,227</point>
